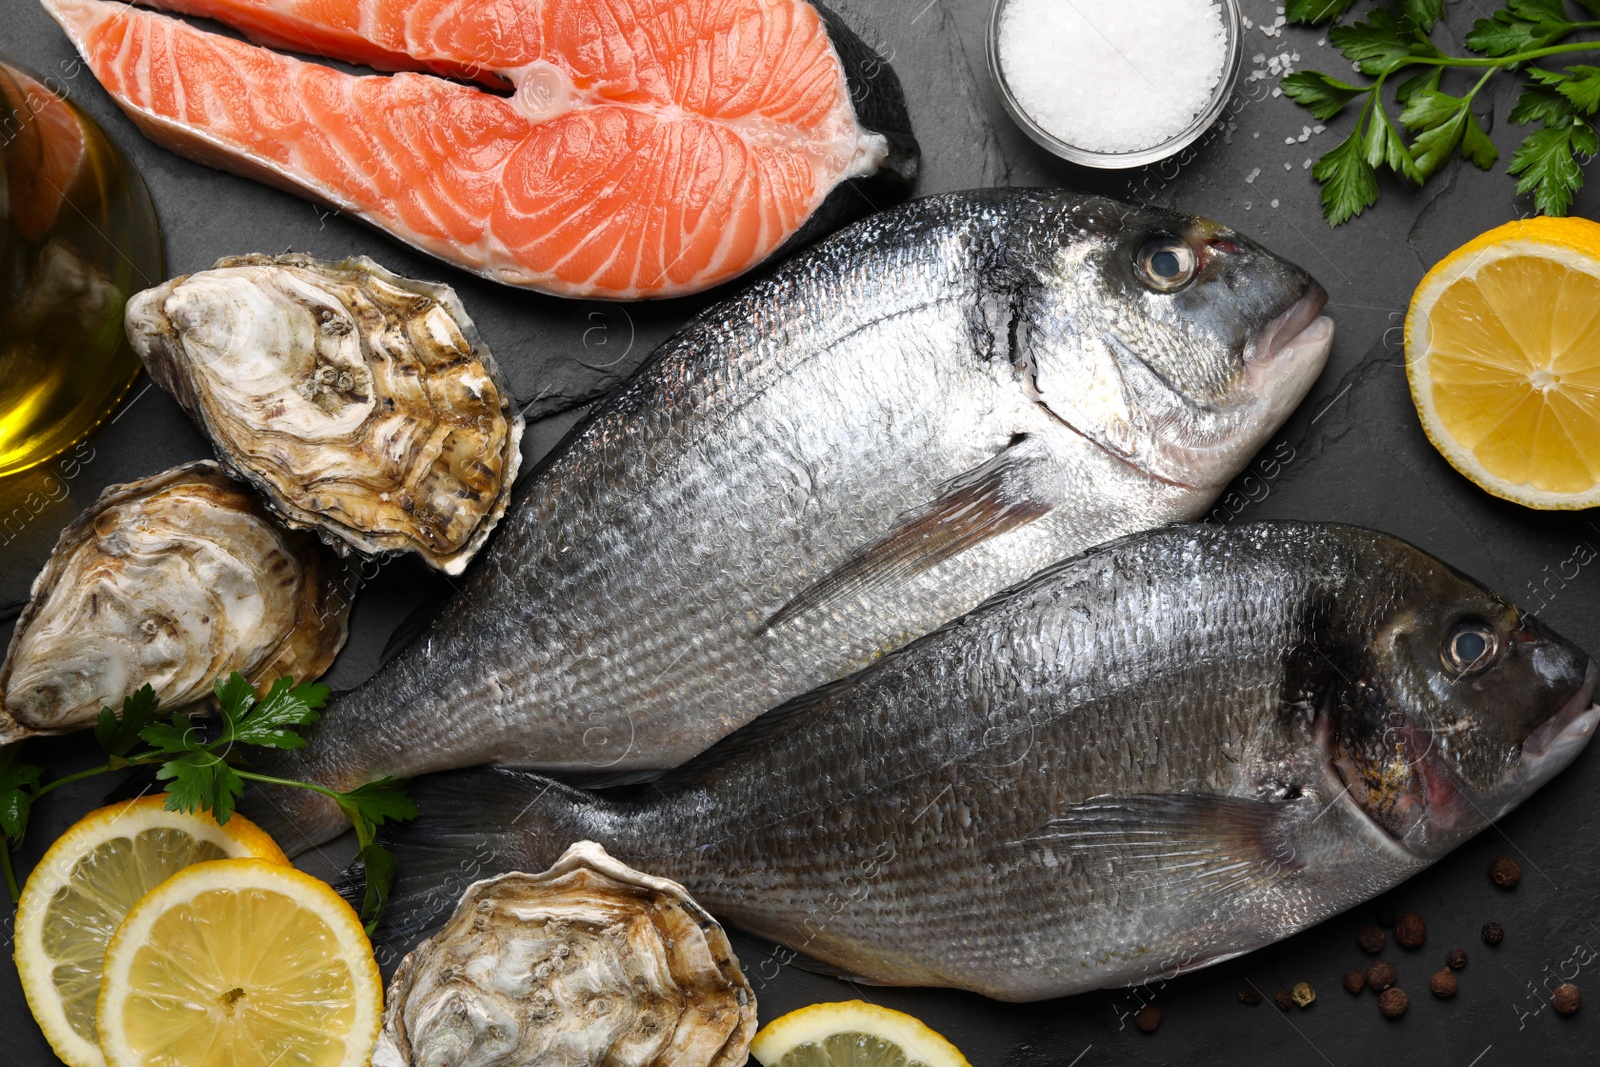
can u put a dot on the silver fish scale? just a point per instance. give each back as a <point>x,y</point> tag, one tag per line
<point>900,829</point>
<point>614,622</point>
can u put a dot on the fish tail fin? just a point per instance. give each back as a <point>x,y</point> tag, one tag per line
<point>473,824</point>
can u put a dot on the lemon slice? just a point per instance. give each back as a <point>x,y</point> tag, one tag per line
<point>240,963</point>
<point>852,1033</point>
<point>84,886</point>
<point>1503,355</point>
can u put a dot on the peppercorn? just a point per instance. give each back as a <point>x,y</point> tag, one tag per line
<point>1371,939</point>
<point>1147,1018</point>
<point>1410,931</point>
<point>1385,916</point>
<point>1566,1000</point>
<point>1303,995</point>
<point>1455,959</point>
<point>1283,1000</point>
<point>1443,983</point>
<point>1393,1002</point>
<point>1249,996</point>
<point>1504,872</point>
<point>1354,982</point>
<point>1492,934</point>
<point>1380,975</point>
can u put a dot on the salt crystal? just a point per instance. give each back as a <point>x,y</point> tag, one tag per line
<point>1250,178</point>
<point>1277,92</point>
<point>1306,165</point>
<point>1113,75</point>
<point>1288,140</point>
<point>1318,129</point>
<point>1274,203</point>
<point>1288,166</point>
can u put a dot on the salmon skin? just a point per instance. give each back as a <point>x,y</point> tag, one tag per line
<point>894,425</point>
<point>649,148</point>
<point>1171,750</point>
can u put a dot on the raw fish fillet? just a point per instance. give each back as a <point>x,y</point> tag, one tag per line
<point>649,148</point>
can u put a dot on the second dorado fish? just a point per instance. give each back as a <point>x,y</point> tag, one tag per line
<point>894,426</point>
<point>1161,754</point>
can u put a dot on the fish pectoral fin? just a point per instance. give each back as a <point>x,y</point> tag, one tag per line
<point>1206,844</point>
<point>981,504</point>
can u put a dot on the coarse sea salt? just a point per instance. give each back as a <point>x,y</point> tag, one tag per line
<point>1113,75</point>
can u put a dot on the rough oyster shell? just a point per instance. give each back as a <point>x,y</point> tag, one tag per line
<point>361,404</point>
<point>590,963</point>
<point>175,580</point>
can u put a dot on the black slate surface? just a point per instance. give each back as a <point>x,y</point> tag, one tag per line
<point>1354,452</point>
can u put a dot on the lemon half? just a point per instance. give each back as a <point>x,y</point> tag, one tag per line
<point>84,886</point>
<point>852,1033</point>
<point>240,963</point>
<point>1503,356</point>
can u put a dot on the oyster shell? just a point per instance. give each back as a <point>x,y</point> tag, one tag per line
<point>361,404</point>
<point>590,964</point>
<point>175,580</point>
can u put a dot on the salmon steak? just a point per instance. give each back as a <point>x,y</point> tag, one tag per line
<point>616,149</point>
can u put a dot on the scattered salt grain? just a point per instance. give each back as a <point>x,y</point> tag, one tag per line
<point>1306,165</point>
<point>1274,203</point>
<point>1252,176</point>
<point>1113,75</point>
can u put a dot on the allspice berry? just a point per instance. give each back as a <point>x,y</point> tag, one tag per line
<point>1455,959</point>
<point>1354,982</point>
<point>1393,1002</point>
<point>1249,996</point>
<point>1147,1018</point>
<point>1504,872</point>
<point>1282,999</point>
<point>1566,1000</point>
<point>1371,939</point>
<point>1303,995</point>
<point>1380,975</point>
<point>1443,983</point>
<point>1492,934</point>
<point>1410,931</point>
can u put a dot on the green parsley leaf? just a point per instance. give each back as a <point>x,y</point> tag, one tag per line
<point>1349,184</point>
<point>201,781</point>
<point>1547,165</point>
<point>235,698</point>
<point>176,737</point>
<point>1476,145</point>
<point>1384,147</point>
<point>378,802</point>
<point>1582,87</point>
<point>1521,26</point>
<point>1384,42</point>
<point>1542,103</point>
<point>1423,12</point>
<point>1316,11</point>
<point>380,867</point>
<point>17,783</point>
<point>285,706</point>
<point>1429,109</point>
<point>116,735</point>
<point>1319,94</point>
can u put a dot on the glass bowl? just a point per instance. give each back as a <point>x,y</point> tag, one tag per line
<point>1234,31</point>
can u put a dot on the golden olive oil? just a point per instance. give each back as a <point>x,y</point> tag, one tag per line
<point>78,236</point>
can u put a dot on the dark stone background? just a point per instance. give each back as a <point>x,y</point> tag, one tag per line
<point>1358,455</point>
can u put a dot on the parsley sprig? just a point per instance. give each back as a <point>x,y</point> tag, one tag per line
<point>1396,38</point>
<point>203,769</point>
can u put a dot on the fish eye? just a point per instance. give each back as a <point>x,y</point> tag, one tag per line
<point>1166,263</point>
<point>1470,646</point>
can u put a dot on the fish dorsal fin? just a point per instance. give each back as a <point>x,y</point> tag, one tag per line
<point>1213,846</point>
<point>970,509</point>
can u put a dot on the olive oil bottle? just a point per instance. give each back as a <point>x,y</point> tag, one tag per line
<point>78,236</point>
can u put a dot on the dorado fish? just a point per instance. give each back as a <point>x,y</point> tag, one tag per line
<point>1166,752</point>
<point>893,426</point>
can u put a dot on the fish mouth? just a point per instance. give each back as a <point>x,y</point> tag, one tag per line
<point>1556,741</point>
<point>1302,326</point>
